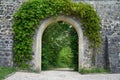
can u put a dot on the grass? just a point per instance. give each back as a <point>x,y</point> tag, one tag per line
<point>93,70</point>
<point>4,71</point>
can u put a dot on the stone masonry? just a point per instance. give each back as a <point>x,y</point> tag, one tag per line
<point>109,11</point>
<point>7,8</point>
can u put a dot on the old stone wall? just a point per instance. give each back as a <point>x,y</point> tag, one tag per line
<point>7,8</point>
<point>114,53</point>
<point>110,14</point>
<point>109,11</point>
<point>109,55</point>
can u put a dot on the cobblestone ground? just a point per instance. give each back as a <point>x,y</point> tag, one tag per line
<point>61,75</point>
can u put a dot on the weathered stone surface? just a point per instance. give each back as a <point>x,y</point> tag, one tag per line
<point>109,12</point>
<point>114,53</point>
<point>7,9</point>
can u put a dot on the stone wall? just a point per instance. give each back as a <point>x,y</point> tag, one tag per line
<point>114,53</point>
<point>7,8</point>
<point>110,14</point>
<point>109,11</point>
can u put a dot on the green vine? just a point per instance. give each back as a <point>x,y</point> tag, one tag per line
<point>32,12</point>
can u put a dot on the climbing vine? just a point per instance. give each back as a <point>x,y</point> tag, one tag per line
<point>28,17</point>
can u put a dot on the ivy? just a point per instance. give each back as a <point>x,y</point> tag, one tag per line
<point>28,17</point>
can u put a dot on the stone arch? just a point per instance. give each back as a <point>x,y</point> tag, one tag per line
<point>37,44</point>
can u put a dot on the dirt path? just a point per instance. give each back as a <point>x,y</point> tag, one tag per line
<point>61,75</point>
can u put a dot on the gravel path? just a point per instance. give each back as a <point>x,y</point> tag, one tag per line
<point>61,75</point>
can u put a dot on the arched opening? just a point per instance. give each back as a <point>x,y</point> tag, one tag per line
<point>37,45</point>
<point>60,47</point>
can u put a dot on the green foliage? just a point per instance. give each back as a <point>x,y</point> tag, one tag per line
<point>28,17</point>
<point>4,71</point>
<point>56,49</point>
<point>65,58</point>
<point>74,47</point>
<point>93,70</point>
